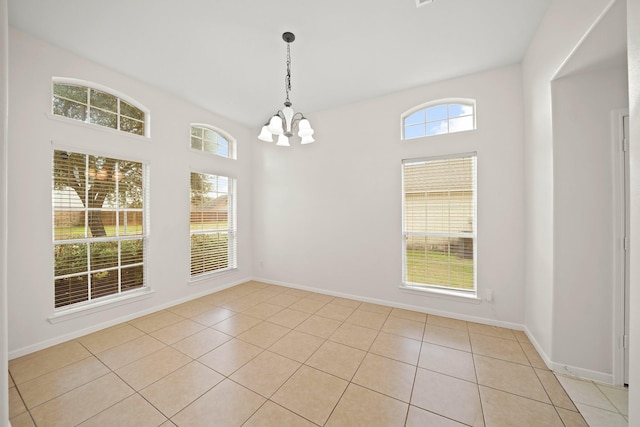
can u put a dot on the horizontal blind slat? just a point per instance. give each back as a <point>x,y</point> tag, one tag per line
<point>439,221</point>
<point>211,223</point>
<point>97,202</point>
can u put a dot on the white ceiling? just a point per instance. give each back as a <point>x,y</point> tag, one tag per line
<point>228,55</point>
<point>604,46</point>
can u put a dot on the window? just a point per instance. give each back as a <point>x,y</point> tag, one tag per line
<point>439,223</point>
<point>91,105</point>
<point>98,227</point>
<point>439,117</point>
<point>212,228</point>
<point>207,139</point>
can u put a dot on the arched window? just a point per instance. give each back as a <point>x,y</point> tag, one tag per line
<point>92,103</point>
<point>211,140</point>
<point>439,117</point>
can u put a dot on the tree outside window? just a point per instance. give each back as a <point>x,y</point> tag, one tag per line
<point>98,216</point>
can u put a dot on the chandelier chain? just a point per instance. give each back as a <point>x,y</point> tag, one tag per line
<point>288,76</point>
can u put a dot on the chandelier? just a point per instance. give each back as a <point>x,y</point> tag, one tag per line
<point>285,121</point>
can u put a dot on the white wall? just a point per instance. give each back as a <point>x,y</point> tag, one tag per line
<point>328,215</point>
<point>4,100</point>
<point>564,24</point>
<point>32,65</point>
<point>584,223</point>
<point>633,30</point>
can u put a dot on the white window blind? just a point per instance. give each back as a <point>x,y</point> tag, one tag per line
<point>212,225</point>
<point>439,222</point>
<point>98,227</point>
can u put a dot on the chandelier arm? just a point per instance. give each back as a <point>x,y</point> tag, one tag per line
<point>296,119</point>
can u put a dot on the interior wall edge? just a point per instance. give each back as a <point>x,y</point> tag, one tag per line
<point>4,123</point>
<point>633,52</point>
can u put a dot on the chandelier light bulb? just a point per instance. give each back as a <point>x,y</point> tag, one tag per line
<point>275,125</point>
<point>307,140</point>
<point>304,128</point>
<point>283,140</point>
<point>265,135</point>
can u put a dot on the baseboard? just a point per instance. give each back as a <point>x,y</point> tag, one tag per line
<point>556,367</point>
<point>585,374</point>
<point>564,369</point>
<point>76,334</point>
<point>491,322</point>
<point>545,358</point>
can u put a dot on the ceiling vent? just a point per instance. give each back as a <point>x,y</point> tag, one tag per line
<point>423,2</point>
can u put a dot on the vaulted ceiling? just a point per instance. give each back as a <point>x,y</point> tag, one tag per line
<point>228,55</point>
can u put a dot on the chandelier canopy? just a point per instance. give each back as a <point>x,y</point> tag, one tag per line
<point>283,123</point>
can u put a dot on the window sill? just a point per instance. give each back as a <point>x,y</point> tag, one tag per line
<point>195,280</point>
<point>94,307</point>
<point>443,293</point>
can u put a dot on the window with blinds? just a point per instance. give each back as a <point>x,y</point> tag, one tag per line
<point>98,227</point>
<point>209,140</point>
<point>439,222</point>
<point>212,225</point>
<point>90,105</point>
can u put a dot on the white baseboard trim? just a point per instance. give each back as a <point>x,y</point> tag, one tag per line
<point>564,369</point>
<point>600,377</point>
<point>585,374</point>
<point>491,322</point>
<point>545,358</point>
<point>76,334</point>
<point>574,371</point>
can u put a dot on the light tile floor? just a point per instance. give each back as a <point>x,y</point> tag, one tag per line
<point>600,405</point>
<point>264,355</point>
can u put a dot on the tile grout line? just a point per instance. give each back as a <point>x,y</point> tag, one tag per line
<point>354,374</point>
<point>575,402</point>
<point>607,397</point>
<point>475,372</point>
<point>268,399</point>
<point>415,373</point>
<point>258,301</point>
<point>135,392</point>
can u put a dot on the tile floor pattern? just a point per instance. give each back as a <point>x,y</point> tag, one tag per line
<point>600,405</point>
<point>265,355</point>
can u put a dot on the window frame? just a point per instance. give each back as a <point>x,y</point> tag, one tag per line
<point>232,150</point>
<point>430,104</point>
<point>102,88</point>
<point>439,289</point>
<point>231,230</point>
<point>81,306</point>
